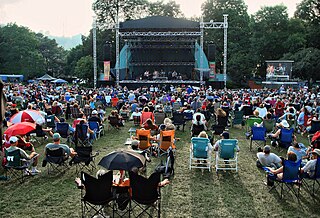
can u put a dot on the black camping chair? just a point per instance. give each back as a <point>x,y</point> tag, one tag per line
<point>196,129</point>
<point>84,159</point>
<point>178,120</point>
<point>96,194</point>
<point>145,194</point>
<point>55,160</point>
<point>81,137</point>
<point>217,130</point>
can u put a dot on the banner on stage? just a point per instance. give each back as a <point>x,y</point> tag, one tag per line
<point>106,71</point>
<point>212,70</point>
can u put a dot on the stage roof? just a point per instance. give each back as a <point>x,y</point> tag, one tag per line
<point>160,23</point>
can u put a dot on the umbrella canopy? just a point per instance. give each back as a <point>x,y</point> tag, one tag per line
<point>27,116</point>
<point>19,129</point>
<point>122,160</point>
<point>59,81</point>
<point>46,77</point>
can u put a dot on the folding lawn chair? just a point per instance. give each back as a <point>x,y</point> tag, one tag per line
<point>291,177</point>
<point>63,130</point>
<point>98,129</point>
<point>199,157</point>
<point>166,141</point>
<point>196,129</point>
<point>55,160</point>
<point>226,156</point>
<point>136,120</point>
<point>269,125</point>
<point>178,120</point>
<point>315,180</point>
<point>237,118</point>
<point>81,137</point>
<point>145,194</point>
<point>96,194</point>
<point>84,159</point>
<point>159,118</point>
<point>258,136</point>
<point>286,137</point>
<point>143,136</point>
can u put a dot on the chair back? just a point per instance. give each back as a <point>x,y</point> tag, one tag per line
<point>50,122</point>
<point>178,118</point>
<point>87,111</point>
<point>258,133</point>
<point>98,191</point>
<point>124,115</point>
<point>188,115</point>
<point>291,171</point>
<point>247,110</point>
<point>167,139</point>
<point>13,158</point>
<point>200,147</point>
<point>136,120</point>
<point>56,156</point>
<point>94,125</point>
<point>251,120</point>
<point>227,148</point>
<point>176,106</point>
<point>317,170</point>
<point>145,116</point>
<point>83,151</point>
<point>218,129</point>
<point>81,132</point>
<point>238,118</point>
<point>145,191</point>
<point>196,129</point>
<point>144,138</point>
<point>63,129</point>
<point>269,125</point>
<point>223,121</point>
<point>159,117</point>
<point>113,120</point>
<point>286,135</point>
<point>315,126</point>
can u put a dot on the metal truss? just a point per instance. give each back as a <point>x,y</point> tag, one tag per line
<point>212,25</point>
<point>162,64</point>
<point>159,34</point>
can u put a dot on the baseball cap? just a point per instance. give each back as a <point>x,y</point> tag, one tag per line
<point>267,148</point>
<point>13,139</point>
<point>56,136</point>
<point>94,112</point>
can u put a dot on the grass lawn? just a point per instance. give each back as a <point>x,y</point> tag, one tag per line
<point>190,194</point>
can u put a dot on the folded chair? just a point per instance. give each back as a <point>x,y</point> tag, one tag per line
<point>84,159</point>
<point>15,165</point>
<point>56,160</point>
<point>313,181</point>
<point>226,156</point>
<point>96,194</point>
<point>145,195</point>
<point>143,136</point>
<point>199,157</point>
<point>258,136</point>
<point>166,141</point>
<point>291,177</point>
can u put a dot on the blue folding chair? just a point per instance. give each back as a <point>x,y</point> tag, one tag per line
<point>188,116</point>
<point>258,136</point>
<point>315,179</point>
<point>199,157</point>
<point>226,156</point>
<point>63,130</point>
<point>98,129</point>
<point>286,137</point>
<point>291,177</point>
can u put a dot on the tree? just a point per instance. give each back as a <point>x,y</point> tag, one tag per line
<point>306,64</point>
<point>239,64</point>
<point>84,69</point>
<point>170,9</point>
<point>107,10</point>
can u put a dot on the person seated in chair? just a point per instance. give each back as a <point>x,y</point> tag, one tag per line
<point>203,134</point>
<point>268,159</point>
<point>148,124</point>
<point>95,117</point>
<point>160,184</point>
<point>224,135</point>
<point>24,145</point>
<point>57,144</point>
<point>31,158</point>
<point>198,126</point>
<point>309,169</point>
<point>71,129</point>
<point>283,125</point>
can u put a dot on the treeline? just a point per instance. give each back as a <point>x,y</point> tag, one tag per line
<point>268,34</point>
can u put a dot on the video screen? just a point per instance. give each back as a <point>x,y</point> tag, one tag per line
<point>279,69</point>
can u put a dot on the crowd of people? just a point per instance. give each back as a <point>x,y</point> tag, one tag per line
<point>289,108</point>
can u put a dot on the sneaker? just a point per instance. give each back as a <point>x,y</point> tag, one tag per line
<point>35,172</point>
<point>26,172</point>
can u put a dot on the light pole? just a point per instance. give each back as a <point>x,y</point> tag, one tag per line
<point>94,41</point>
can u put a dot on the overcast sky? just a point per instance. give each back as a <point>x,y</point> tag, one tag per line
<point>71,17</point>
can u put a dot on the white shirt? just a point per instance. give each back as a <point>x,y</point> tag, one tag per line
<point>262,111</point>
<point>268,159</point>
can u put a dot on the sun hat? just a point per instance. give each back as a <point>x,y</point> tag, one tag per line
<point>285,123</point>
<point>316,151</point>
<point>94,112</point>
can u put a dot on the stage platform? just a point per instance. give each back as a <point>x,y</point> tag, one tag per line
<point>159,82</point>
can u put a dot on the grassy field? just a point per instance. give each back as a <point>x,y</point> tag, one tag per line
<point>190,194</point>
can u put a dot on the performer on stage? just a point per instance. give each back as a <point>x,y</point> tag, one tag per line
<point>155,74</point>
<point>146,75</point>
<point>174,75</point>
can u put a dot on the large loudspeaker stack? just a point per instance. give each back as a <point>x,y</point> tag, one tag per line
<point>211,52</point>
<point>107,51</point>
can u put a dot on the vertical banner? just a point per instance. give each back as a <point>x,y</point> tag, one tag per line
<point>106,71</point>
<point>212,74</point>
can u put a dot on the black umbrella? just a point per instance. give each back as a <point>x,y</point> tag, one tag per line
<point>122,160</point>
